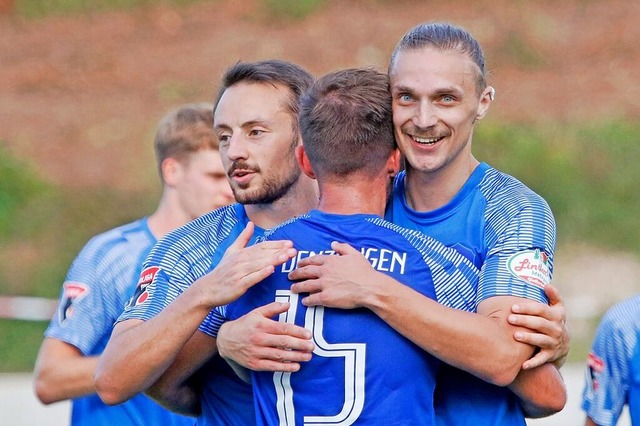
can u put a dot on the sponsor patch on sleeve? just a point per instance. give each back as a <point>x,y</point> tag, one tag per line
<point>531,266</point>
<point>595,366</point>
<point>142,294</point>
<point>72,293</point>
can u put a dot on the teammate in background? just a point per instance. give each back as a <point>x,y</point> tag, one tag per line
<point>104,274</point>
<point>348,146</point>
<point>206,264</point>
<point>439,92</point>
<point>613,366</point>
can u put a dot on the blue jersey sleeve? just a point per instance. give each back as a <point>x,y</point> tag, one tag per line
<point>96,288</point>
<point>609,375</point>
<point>212,323</point>
<point>519,262</point>
<point>179,259</point>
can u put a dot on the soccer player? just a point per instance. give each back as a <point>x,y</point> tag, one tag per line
<point>439,92</point>
<point>104,274</point>
<point>362,371</point>
<point>613,366</point>
<point>206,264</point>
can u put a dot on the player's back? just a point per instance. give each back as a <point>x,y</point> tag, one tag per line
<point>362,371</point>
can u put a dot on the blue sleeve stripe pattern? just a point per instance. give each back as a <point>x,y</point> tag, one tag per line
<point>454,277</point>
<point>517,219</point>
<point>183,256</point>
<point>108,267</point>
<point>214,320</point>
<point>615,343</point>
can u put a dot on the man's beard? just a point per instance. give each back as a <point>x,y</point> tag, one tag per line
<point>272,189</point>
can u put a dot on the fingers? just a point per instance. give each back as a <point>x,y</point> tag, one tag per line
<point>343,249</point>
<point>308,286</point>
<point>272,309</point>
<point>305,273</point>
<point>243,239</point>
<point>553,294</point>
<point>531,308</point>
<point>539,359</point>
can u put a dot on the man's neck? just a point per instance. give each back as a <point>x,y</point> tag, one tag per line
<point>354,195</point>
<point>425,191</point>
<point>300,199</point>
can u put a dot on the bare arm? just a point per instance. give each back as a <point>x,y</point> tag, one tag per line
<point>175,389</point>
<point>590,422</point>
<point>480,343</point>
<point>545,327</point>
<point>63,372</point>
<point>539,396</point>
<point>140,351</point>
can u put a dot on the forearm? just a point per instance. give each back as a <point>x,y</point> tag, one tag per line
<point>541,391</point>
<point>176,388</point>
<point>62,379</point>
<point>140,351</point>
<point>480,344</point>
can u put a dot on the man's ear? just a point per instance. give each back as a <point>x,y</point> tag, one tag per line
<point>393,163</point>
<point>171,171</point>
<point>487,96</point>
<point>303,162</point>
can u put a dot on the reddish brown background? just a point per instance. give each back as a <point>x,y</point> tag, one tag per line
<point>80,95</point>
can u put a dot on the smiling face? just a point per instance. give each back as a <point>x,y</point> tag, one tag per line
<point>436,101</point>
<point>257,137</point>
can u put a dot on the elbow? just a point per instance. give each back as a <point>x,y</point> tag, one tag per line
<point>553,403</point>
<point>44,390</point>
<point>505,369</point>
<point>108,391</point>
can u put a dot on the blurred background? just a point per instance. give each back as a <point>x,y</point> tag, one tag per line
<point>84,82</point>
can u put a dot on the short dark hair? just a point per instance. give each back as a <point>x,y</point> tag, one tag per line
<point>184,131</point>
<point>346,122</point>
<point>444,37</point>
<point>273,72</point>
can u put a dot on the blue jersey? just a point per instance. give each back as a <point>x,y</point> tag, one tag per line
<point>613,367</point>
<point>362,371</point>
<point>100,281</point>
<point>176,261</point>
<point>508,231</point>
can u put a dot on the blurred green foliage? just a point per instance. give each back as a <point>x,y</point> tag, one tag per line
<point>587,174</point>
<point>19,343</point>
<point>43,8</point>
<point>291,9</point>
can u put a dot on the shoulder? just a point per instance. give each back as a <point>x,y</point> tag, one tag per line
<point>198,238</point>
<point>499,188</point>
<point>624,315</point>
<point>122,241</point>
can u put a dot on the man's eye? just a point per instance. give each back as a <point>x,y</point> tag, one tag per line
<point>406,98</point>
<point>256,132</point>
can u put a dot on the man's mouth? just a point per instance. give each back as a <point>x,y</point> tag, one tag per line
<point>427,141</point>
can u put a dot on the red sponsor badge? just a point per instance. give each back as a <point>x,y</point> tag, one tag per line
<point>142,294</point>
<point>72,293</point>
